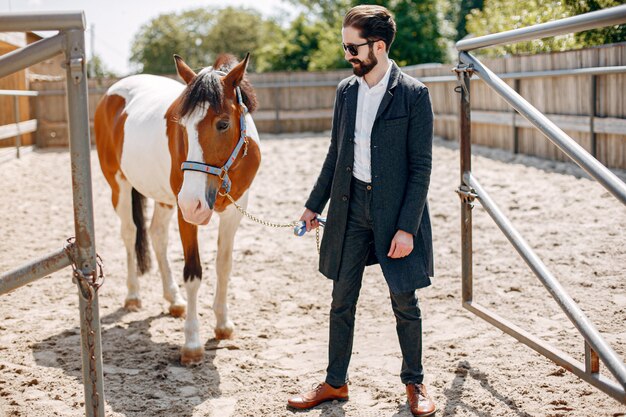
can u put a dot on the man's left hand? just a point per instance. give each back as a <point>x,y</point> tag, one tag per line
<point>401,245</point>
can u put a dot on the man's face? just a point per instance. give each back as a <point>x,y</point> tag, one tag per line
<point>365,60</point>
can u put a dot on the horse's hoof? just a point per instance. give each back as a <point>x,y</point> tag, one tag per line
<point>132,304</point>
<point>189,357</point>
<point>177,310</point>
<point>226,332</point>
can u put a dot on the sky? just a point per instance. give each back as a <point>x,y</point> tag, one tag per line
<point>117,21</point>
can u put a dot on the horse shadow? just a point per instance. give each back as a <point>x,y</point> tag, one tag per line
<point>141,377</point>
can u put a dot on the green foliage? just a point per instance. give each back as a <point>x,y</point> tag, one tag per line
<point>611,34</point>
<point>308,45</point>
<point>427,30</point>
<point>184,34</point>
<point>465,8</point>
<point>502,15</point>
<point>199,35</point>
<point>97,67</point>
<point>418,39</point>
<point>238,31</point>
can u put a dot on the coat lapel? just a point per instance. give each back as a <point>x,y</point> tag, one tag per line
<point>393,81</point>
<point>351,96</point>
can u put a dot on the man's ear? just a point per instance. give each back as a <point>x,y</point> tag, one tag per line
<point>183,70</point>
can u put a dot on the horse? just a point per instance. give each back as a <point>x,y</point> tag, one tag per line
<point>188,147</point>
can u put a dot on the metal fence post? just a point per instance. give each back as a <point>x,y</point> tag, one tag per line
<point>592,116</point>
<point>465,192</point>
<point>515,128</point>
<point>85,256</point>
<point>18,138</point>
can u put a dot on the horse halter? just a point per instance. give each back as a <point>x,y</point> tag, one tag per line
<point>222,173</point>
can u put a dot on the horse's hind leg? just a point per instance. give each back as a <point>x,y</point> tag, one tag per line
<point>124,210</point>
<point>159,232</point>
<point>229,222</point>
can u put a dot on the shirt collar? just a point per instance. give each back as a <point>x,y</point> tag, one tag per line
<point>384,81</point>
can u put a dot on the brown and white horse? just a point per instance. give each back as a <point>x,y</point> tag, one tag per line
<point>158,138</point>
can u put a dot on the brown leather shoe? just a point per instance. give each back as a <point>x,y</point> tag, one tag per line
<point>420,403</point>
<point>321,393</point>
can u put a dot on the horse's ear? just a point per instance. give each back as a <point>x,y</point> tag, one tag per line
<point>235,76</point>
<point>183,69</point>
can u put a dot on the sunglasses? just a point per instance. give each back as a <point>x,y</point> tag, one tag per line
<point>354,48</point>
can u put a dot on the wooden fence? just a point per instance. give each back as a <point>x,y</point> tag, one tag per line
<point>302,101</point>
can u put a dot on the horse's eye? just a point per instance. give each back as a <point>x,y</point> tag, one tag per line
<point>223,125</point>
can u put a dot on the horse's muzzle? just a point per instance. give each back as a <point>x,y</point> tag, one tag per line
<point>195,211</point>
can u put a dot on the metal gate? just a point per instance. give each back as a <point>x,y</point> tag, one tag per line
<point>79,253</point>
<point>596,348</point>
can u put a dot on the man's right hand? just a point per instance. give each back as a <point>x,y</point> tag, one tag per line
<point>310,218</point>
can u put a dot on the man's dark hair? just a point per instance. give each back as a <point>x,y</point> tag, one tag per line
<point>373,22</point>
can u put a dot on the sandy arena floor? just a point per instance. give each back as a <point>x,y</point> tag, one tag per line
<point>280,302</point>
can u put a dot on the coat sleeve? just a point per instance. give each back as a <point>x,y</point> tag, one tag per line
<point>321,190</point>
<point>419,154</point>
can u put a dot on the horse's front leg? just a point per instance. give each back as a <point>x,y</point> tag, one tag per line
<point>229,222</point>
<point>193,351</point>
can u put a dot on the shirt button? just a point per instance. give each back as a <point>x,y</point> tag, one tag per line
<point>369,187</point>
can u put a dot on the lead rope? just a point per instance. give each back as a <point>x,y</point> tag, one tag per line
<point>296,224</point>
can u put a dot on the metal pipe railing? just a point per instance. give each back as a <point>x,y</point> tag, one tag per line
<point>587,162</point>
<point>556,355</point>
<point>71,41</point>
<point>470,189</point>
<point>27,93</point>
<point>567,304</point>
<point>535,74</point>
<point>592,20</point>
<point>62,20</point>
<point>31,54</point>
<point>34,270</point>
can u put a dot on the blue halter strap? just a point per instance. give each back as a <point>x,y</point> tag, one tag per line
<point>222,173</point>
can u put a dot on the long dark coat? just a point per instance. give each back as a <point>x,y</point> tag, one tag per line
<point>401,162</point>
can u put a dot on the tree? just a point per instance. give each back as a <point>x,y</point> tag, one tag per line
<point>418,39</point>
<point>299,43</point>
<point>168,34</point>
<point>99,70</point>
<point>601,36</point>
<point>199,35</point>
<point>501,15</point>
<point>238,31</point>
<point>466,8</point>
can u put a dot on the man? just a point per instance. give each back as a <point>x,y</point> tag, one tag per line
<point>376,175</point>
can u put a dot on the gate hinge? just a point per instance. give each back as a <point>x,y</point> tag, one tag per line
<point>467,195</point>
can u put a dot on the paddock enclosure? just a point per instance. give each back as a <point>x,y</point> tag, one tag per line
<point>281,302</point>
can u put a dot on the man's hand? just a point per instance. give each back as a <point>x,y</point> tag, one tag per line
<point>310,218</point>
<point>401,245</point>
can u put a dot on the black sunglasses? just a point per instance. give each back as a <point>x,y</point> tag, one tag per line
<point>354,48</point>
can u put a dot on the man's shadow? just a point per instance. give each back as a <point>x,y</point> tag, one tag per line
<point>141,377</point>
<point>455,392</point>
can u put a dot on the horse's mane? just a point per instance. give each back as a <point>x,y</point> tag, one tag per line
<point>207,87</point>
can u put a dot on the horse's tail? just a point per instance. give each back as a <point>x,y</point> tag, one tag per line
<point>141,242</point>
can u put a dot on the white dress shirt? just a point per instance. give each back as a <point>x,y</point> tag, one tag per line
<point>366,109</point>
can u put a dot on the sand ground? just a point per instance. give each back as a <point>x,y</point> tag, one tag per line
<point>280,302</point>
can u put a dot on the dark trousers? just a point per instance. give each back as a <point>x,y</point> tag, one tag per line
<point>357,241</point>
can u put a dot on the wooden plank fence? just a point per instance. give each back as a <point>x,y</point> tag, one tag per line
<point>303,101</point>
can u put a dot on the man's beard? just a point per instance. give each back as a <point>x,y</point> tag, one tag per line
<point>364,67</point>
